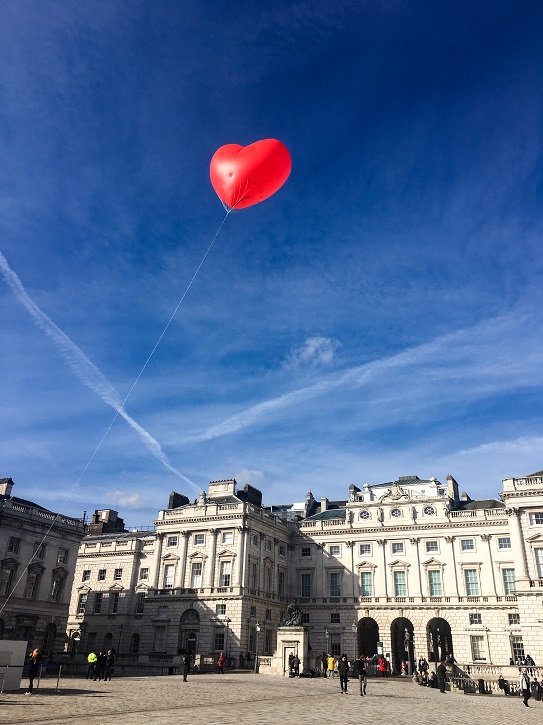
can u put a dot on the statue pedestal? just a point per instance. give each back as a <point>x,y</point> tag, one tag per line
<point>290,640</point>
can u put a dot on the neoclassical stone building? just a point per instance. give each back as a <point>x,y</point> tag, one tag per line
<point>411,567</point>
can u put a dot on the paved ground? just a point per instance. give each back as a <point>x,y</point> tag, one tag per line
<point>256,699</point>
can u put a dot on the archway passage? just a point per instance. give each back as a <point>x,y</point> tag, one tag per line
<point>368,636</point>
<point>440,642</point>
<point>189,630</point>
<point>402,645</point>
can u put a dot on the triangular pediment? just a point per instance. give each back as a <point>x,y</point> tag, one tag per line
<point>142,588</point>
<point>226,552</point>
<point>116,588</point>
<point>399,563</point>
<point>84,589</point>
<point>197,555</point>
<point>535,537</point>
<point>432,561</point>
<point>170,557</point>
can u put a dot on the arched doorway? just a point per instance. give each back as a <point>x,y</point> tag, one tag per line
<point>189,631</point>
<point>440,642</point>
<point>368,636</point>
<point>402,645</point>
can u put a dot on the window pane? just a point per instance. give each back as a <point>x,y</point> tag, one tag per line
<point>472,582</point>
<point>305,585</point>
<point>539,562</point>
<point>196,575</point>
<point>168,576</point>
<point>434,583</point>
<point>400,585</point>
<point>508,580</point>
<point>366,584</point>
<point>477,647</point>
<point>335,584</point>
<point>226,567</point>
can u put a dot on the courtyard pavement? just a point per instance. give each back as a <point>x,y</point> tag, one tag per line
<point>239,698</point>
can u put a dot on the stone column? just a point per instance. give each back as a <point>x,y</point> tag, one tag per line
<point>487,537</point>
<point>275,587</point>
<point>182,563</point>
<point>156,559</point>
<point>517,544</point>
<point>261,563</point>
<point>242,545</point>
<point>384,578</point>
<point>450,540</point>
<point>212,548</point>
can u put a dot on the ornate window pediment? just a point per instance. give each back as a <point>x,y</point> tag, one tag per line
<point>433,562</point>
<point>60,572</point>
<point>116,588</point>
<point>84,589</point>
<point>226,553</point>
<point>142,587</point>
<point>399,564</point>
<point>36,567</point>
<point>535,537</point>
<point>197,555</point>
<point>9,563</point>
<point>366,565</point>
<point>171,558</point>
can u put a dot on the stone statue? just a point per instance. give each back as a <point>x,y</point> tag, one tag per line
<point>294,616</point>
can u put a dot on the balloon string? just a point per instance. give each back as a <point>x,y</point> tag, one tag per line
<point>110,426</point>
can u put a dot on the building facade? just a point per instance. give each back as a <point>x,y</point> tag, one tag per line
<point>410,567</point>
<point>38,550</point>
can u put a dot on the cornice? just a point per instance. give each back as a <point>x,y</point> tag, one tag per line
<point>381,530</point>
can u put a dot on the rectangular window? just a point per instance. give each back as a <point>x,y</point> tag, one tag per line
<point>538,553</point>
<point>432,547</point>
<point>268,615</point>
<point>62,557</point>
<point>144,573</point>
<point>335,550</point>
<point>220,610</point>
<point>140,602</point>
<point>365,549</point>
<point>171,541</point>
<point>101,575</point>
<point>305,585</point>
<point>478,648</point>
<point>305,617</point>
<point>467,544</point>
<point>334,618</point>
<point>219,639</point>
<point>118,575</point>
<point>159,640</point>
<point>269,580</point>
<point>400,584</point>
<point>81,603</point>
<point>254,540</point>
<point>397,547</point>
<point>472,582</point>
<point>56,589</point>
<point>227,537</point>
<point>253,575</point>
<point>253,611</point>
<point>536,519</point>
<point>504,542</point>
<point>335,645</point>
<point>517,649</point>
<point>475,618</point>
<point>281,550</point>
<point>268,642</point>
<point>508,580</point>
<point>366,584</point>
<point>268,544</point>
<point>281,583</point>
<point>514,618</point>
<point>32,585</point>
<point>335,584</point>
<point>199,539</point>
<point>39,551</point>
<point>226,573</point>
<point>86,575</point>
<point>98,598</point>
<point>114,602</point>
<point>196,575</point>
<point>306,551</point>
<point>6,581</point>
<point>13,545</point>
<point>435,585</point>
<point>168,576</point>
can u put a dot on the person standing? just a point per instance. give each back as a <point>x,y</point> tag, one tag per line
<point>324,663</point>
<point>524,685</point>
<point>343,669</point>
<point>503,685</point>
<point>109,665</point>
<point>34,659</point>
<point>92,659</point>
<point>100,669</point>
<point>382,666</point>
<point>220,663</point>
<point>331,665</point>
<point>186,665</point>
<point>441,676</point>
<point>296,665</point>
<point>359,670</point>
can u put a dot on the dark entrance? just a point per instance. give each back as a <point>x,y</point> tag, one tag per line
<point>401,637</point>
<point>439,639</point>
<point>368,636</point>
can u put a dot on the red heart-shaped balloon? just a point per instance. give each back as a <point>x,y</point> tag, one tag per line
<point>246,175</point>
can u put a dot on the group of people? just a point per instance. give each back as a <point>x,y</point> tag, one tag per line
<point>528,688</point>
<point>101,665</point>
<point>293,665</point>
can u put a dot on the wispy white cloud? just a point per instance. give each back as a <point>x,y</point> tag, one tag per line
<point>127,500</point>
<point>315,351</point>
<point>83,368</point>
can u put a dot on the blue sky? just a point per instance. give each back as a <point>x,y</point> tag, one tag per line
<point>379,316</point>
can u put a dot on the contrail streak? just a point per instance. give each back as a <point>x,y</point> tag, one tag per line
<point>83,368</point>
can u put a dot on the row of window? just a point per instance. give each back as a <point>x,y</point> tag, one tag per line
<point>14,546</point>
<point>227,537</point>
<point>102,575</point>
<point>33,584</point>
<point>435,583</point>
<point>113,600</point>
<point>398,547</point>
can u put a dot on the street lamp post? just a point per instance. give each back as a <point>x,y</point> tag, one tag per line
<point>257,628</point>
<point>354,629</point>
<point>327,635</point>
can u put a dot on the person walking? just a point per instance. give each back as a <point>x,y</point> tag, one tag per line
<point>441,676</point>
<point>359,670</point>
<point>296,665</point>
<point>92,659</point>
<point>343,669</point>
<point>100,669</point>
<point>524,686</point>
<point>34,659</point>
<point>186,665</point>
<point>331,665</point>
<point>220,663</point>
<point>382,666</point>
<point>109,665</point>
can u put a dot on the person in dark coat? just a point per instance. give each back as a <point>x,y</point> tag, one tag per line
<point>34,659</point>
<point>186,666</point>
<point>503,685</point>
<point>359,670</point>
<point>100,671</point>
<point>109,665</point>
<point>343,669</point>
<point>441,676</point>
<point>220,663</point>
